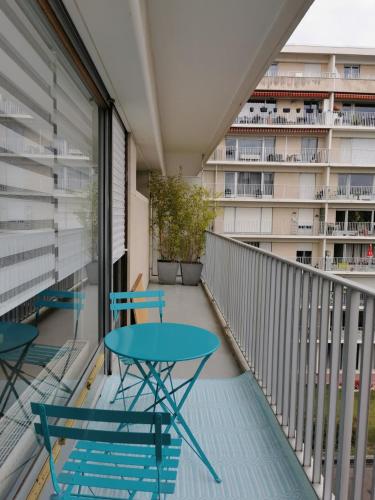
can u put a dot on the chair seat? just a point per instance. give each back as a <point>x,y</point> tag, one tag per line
<point>126,361</point>
<point>37,354</point>
<point>118,467</point>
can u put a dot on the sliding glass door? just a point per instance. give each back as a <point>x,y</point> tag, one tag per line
<point>52,187</point>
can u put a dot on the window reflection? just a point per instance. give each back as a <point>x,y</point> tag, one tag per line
<point>48,225</point>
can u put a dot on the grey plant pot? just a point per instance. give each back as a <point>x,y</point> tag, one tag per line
<point>191,272</point>
<point>92,270</point>
<point>167,272</point>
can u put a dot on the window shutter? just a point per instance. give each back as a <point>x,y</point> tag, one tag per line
<point>118,189</point>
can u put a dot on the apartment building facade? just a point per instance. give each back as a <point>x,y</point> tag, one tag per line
<point>295,172</point>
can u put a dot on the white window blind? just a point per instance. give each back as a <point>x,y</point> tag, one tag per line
<point>118,190</point>
<point>48,175</point>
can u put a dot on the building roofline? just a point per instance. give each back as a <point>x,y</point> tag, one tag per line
<point>325,49</point>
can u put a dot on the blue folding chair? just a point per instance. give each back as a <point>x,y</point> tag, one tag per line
<point>123,461</point>
<point>133,301</point>
<point>42,354</point>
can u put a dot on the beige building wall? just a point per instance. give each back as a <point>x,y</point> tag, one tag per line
<point>290,248</point>
<point>138,223</point>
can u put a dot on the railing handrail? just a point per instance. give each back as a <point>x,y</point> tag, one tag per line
<point>333,278</point>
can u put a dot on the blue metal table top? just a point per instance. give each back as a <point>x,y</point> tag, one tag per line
<point>15,335</point>
<point>162,342</point>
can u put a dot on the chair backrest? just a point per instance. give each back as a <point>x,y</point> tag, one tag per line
<point>156,438</point>
<point>140,315</point>
<point>60,299</point>
<point>137,301</point>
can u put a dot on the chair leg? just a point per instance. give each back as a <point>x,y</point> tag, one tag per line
<point>120,388</point>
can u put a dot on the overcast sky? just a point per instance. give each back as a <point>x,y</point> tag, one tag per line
<point>348,23</point>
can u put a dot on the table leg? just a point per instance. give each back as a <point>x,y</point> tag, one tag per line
<point>11,381</point>
<point>176,409</point>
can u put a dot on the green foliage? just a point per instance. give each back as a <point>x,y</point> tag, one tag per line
<point>200,212</point>
<point>181,213</point>
<point>167,196</point>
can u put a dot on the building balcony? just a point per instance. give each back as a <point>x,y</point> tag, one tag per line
<point>289,118</point>
<point>231,154</point>
<point>320,82</point>
<point>355,119</point>
<point>287,192</point>
<point>298,80</point>
<point>318,157</point>
<point>342,264</point>
<point>347,229</point>
<point>353,193</point>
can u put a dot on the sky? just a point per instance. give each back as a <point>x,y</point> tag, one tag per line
<point>349,23</point>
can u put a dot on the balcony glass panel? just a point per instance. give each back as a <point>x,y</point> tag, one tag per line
<point>48,228</point>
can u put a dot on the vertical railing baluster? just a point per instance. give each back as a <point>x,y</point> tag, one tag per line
<point>281,345</point>
<point>302,357</point>
<point>276,333</point>
<point>311,371</point>
<point>322,374</point>
<point>258,278</point>
<point>364,398</point>
<point>271,326</point>
<point>294,364</point>
<point>288,344</point>
<point>347,400</point>
<point>336,328</point>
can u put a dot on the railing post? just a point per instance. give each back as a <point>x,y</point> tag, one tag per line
<point>313,322</point>
<point>295,328</point>
<point>336,328</point>
<point>364,397</point>
<point>302,355</point>
<point>322,374</point>
<point>347,400</point>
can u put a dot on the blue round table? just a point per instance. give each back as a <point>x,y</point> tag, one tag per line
<point>153,344</point>
<point>13,336</point>
<point>162,342</point>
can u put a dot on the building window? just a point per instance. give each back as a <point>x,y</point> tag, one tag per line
<point>351,71</point>
<point>247,220</point>
<point>273,70</point>
<point>309,147</point>
<point>304,256</point>
<point>248,184</point>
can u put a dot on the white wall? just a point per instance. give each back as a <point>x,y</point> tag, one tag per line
<point>138,224</point>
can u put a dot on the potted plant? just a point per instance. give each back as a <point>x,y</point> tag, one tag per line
<point>167,195</point>
<point>88,216</point>
<point>198,214</point>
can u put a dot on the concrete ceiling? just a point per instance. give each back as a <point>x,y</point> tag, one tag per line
<point>180,70</point>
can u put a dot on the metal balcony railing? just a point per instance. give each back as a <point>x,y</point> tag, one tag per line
<point>354,119</point>
<point>301,74</point>
<point>348,192</point>
<point>343,264</point>
<point>268,155</point>
<point>347,228</point>
<point>291,117</point>
<point>299,329</point>
<point>288,191</point>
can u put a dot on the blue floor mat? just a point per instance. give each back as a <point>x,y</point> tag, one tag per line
<point>241,437</point>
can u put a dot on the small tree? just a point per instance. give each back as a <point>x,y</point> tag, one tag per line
<point>198,214</point>
<point>167,195</point>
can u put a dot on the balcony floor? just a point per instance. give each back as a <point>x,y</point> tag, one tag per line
<point>238,431</point>
<point>231,418</point>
